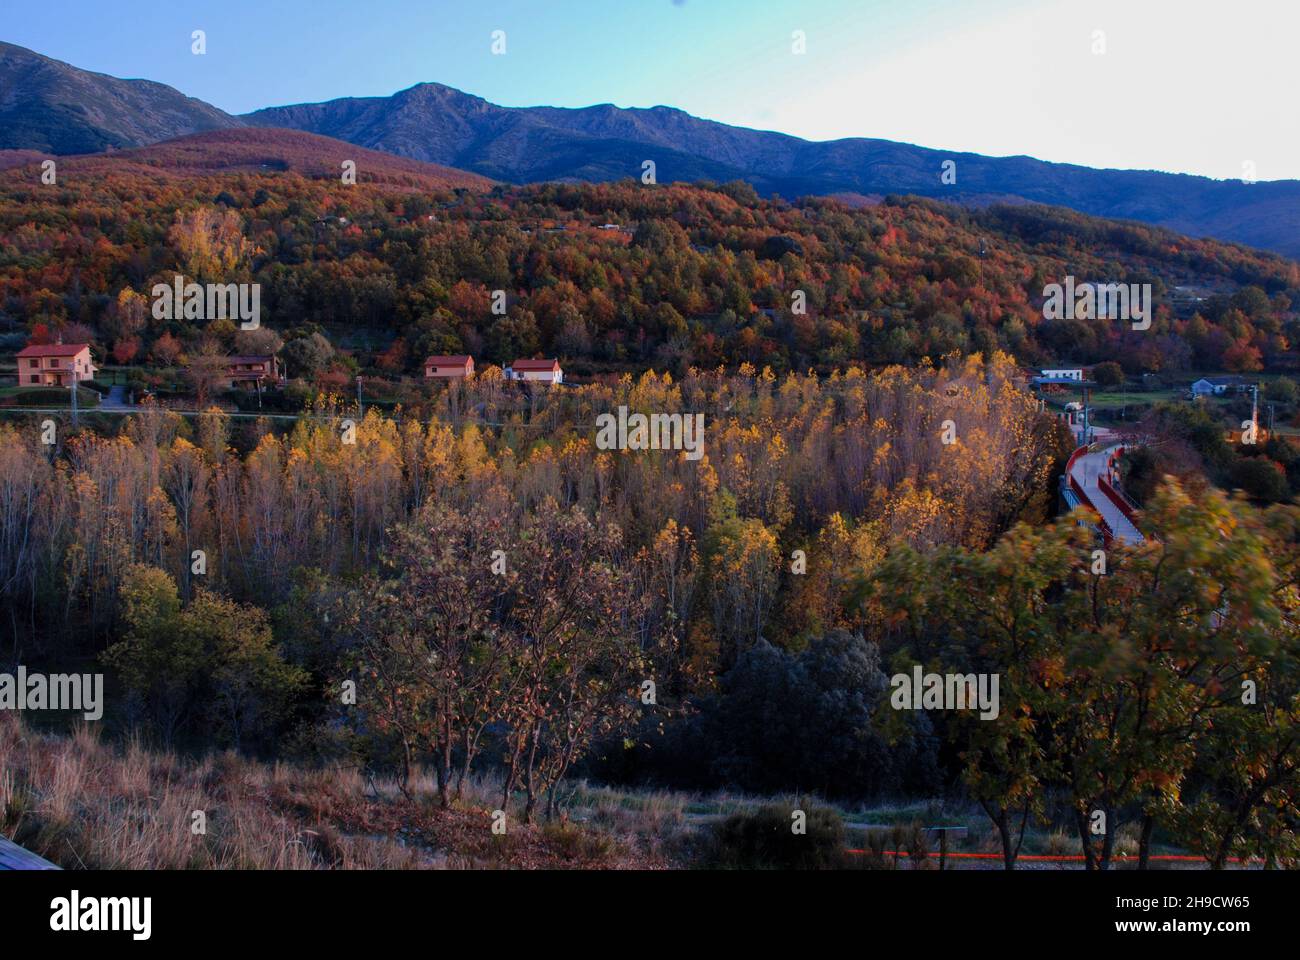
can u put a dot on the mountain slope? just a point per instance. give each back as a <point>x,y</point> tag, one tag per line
<point>523,144</point>
<point>53,107</point>
<point>252,150</point>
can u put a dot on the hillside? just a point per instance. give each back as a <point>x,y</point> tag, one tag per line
<point>54,107</point>
<point>611,277</point>
<point>260,151</point>
<point>527,144</point>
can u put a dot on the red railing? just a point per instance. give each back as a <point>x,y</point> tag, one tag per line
<point>1117,498</point>
<point>1069,473</point>
<point>1107,534</point>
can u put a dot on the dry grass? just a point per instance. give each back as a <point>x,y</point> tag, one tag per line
<point>83,803</point>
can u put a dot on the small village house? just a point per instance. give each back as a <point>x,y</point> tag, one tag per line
<point>448,368</point>
<point>1062,373</point>
<point>54,364</point>
<point>1216,386</point>
<point>535,371</point>
<point>248,372</point>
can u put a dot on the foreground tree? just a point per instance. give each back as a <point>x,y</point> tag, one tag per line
<point>437,666</point>
<point>572,612</point>
<point>1120,670</point>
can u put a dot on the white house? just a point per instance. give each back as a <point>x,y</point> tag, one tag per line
<point>1214,385</point>
<point>1063,373</point>
<point>543,371</point>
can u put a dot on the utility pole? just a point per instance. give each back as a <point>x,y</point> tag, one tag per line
<point>74,395</point>
<point>360,409</point>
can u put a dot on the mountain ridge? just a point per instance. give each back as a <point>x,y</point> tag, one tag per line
<point>53,106</point>
<point>524,144</point>
<point>64,110</point>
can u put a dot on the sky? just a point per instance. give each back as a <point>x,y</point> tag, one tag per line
<point>1186,86</point>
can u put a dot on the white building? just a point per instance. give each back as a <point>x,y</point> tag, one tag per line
<point>1217,386</point>
<point>1064,373</point>
<point>543,371</point>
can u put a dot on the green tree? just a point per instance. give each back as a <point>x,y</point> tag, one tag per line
<point>1108,374</point>
<point>159,664</point>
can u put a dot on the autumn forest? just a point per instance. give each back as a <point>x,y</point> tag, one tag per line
<point>451,584</point>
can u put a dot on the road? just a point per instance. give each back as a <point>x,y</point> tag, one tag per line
<point>115,402</point>
<point>1086,470</point>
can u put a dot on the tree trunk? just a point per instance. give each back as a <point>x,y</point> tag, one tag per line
<point>444,767</point>
<point>1081,823</point>
<point>511,775</point>
<point>530,776</point>
<point>1108,841</point>
<point>1004,832</point>
<point>1144,841</point>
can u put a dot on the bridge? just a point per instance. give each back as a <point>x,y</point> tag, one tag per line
<point>1090,481</point>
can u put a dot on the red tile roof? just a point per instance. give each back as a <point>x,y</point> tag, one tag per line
<point>535,365</point>
<point>53,350</point>
<point>448,361</point>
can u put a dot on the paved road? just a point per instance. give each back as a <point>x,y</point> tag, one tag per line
<point>1086,471</point>
<point>115,401</point>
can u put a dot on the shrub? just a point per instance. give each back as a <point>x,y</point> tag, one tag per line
<point>1261,478</point>
<point>1108,374</point>
<point>764,839</point>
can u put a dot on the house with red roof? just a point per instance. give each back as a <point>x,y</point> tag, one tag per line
<point>54,364</point>
<point>448,368</point>
<point>536,371</point>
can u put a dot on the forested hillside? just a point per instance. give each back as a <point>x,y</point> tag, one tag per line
<point>461,580</point>
<point>609,278</point>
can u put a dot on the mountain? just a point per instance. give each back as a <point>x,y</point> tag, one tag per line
<point>524,144</point>
<point>257,150</point>
<point>53,107</point>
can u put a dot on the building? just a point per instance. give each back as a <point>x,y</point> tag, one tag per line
<point>1216,386</point>
<point>448,368</point>
<point>1062,373</point>
<point>248,372</point>
<point>54,364</point>
<point>536,371</point>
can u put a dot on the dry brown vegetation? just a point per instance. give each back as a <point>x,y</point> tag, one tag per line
<point>85,804</point>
